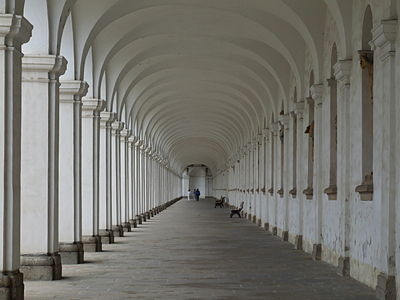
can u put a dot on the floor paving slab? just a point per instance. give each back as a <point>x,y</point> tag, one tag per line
<point>195,251</point>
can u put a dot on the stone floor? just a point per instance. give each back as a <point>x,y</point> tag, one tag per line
<point>195,251</point>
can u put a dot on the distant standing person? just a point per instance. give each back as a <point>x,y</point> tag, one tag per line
<point>189,193</point>
<point>197,194</point>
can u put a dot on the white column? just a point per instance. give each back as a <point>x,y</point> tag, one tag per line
<point>71,93</point>
<point>274,176</point>
<point>342,75</point>
<point>14,31</point>
<point>265,181</point>
<point>385,39</point>
<point>105,203</point>
<point>300,180</point>
<point>137,182</point>
<point>132,181</point>
<point>39,166</point>
<point>317,95</point>
<point>91,108</point>
<point>260,174</point>
<point>284,119</point>
<point>116,175</point>
<point>125,134</point>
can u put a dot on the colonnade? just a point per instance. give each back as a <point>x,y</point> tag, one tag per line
<point>322,173</point>
<point>74,175</point>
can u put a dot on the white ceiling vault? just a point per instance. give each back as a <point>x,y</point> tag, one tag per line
<point>195,79</point>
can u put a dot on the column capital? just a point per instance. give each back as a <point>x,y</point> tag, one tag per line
<point>14,29</point>
<point>342,70</point>
<point>69,89</point>
<point>142,145</point>
<point>254,142</point>
<point>317,93</point>
<point>148,150</point>
<point>299,109</point>
<point>266,132</point>
<point>117,126</point>
<point>91,106</point>
<point>260,138</point>
<point>132,140</point>
<point>274,127</point>
<point>37,68</point>
<point>284,120</point>
<point>106,118</point>
<point>125,134</point>
<point>384,37</point>
<point>138,143</point>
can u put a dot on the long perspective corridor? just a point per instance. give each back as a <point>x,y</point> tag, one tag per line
<point>186,253</point>
<point>122,121</point>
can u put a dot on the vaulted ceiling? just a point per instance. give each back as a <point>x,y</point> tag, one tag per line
<point>195,79</point>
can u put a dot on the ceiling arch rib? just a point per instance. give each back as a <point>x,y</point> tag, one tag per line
<point>195,131</point>
<point>121,68</point>
<point>284,11</point>
<point>269,38</point>
<point>224,87</point>
<point>233,64</point>
<point>264,78</point>
<point>228,113</point>
<point>183,69</point>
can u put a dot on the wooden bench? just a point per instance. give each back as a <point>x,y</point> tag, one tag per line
<point>237,211</point>
<point>220,202</point>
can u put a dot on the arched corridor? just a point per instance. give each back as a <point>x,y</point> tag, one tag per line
<point>113,110</point>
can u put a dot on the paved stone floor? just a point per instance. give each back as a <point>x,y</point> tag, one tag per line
<point>193,251</point>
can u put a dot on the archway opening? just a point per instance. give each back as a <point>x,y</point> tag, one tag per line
<point>197,177</point>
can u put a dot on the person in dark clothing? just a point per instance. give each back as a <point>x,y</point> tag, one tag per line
<point>197,193</point>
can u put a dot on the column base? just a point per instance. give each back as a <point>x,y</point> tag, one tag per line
<point>152,213</point>
<point>11,286</point>
<point>71,253</point>
<point>92,243</point>
<point>148,215</point>
<point>275,230</point>
<point>133,223</point>
<point>298,242</point>
<point>118,230</point>
<point>285,235</point>
<point>259,222</point>
<point>386,287</point>
<point>266,226</point>
<point>343,268</point>
<point>317,252</point>
<point>254,219</point>
<point>107,236</point>
<point>144,217</point>
<point>41,266</point>
<point>126,227</point>
<point>139,219</point>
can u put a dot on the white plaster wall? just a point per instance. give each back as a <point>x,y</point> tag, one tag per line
<point>102,180</point>
<point>185,186</point>
<point>34,166</point>
<point>123,165</point>
<point>66,187</point>
<point>87,174</point>
<point>114,184</point>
